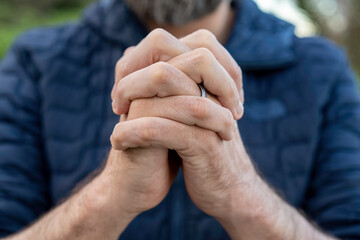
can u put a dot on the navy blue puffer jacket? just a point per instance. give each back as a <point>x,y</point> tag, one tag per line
<point>301,125</point>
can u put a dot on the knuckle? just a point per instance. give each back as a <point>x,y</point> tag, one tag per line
<point>119,91</point>
<point>200,108</point>
<point>117,137</point>
<point>148,130</point>
<point>161,73</point>
<point>203,56</point>
<point>206,37</point>
<point>127,50</point>
<point>118,65</point>
<point>158,36</point>
<point>121,68</point>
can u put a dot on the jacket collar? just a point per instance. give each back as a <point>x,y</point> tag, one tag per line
<point>258,41</point>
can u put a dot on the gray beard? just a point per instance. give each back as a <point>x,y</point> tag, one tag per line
<point>173,12</point>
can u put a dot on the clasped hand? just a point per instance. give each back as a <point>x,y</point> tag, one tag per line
<point>157,95</point>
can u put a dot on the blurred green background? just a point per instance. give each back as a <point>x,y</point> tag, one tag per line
<point>336,19</point>
<point>17,16</point>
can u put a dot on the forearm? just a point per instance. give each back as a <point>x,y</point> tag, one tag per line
<point>269,217</point>
<point>95,212</point>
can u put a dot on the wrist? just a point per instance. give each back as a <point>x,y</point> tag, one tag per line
<point>254,211</point>
<point>128,185</point>
<point>115,187</point>
<point>108,201</point>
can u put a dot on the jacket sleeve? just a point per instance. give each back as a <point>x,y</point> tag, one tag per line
<point>23,171</point>
<point>333,199</point>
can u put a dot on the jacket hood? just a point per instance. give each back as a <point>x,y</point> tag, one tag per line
<point>258,40</point>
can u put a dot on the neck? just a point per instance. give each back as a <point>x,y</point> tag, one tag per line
<point>219,22</point>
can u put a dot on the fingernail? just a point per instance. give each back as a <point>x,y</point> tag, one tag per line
<point>242,96</point>
<point>114,105</point>
<point>239,110</point>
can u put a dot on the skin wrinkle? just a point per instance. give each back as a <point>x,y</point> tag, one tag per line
<point>177,12</point>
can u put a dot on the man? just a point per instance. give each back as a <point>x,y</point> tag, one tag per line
<point>179,168</point>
